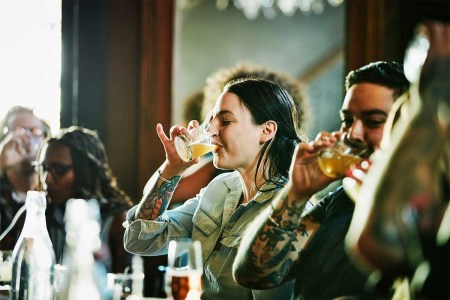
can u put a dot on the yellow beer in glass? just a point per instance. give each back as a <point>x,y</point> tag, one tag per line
<point>336,159</point>
<point>196,143</point>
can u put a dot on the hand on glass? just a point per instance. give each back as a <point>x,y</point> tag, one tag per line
<point>17,147</point>
<point>355,178</point>
<point>173,160</point>
<point>306,175</point>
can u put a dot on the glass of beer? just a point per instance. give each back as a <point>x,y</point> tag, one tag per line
<point>184,270</point>
<point>336,159</point>
<point>197,142</point>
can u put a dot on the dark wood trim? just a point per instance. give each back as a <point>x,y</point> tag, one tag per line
<point>365,32</point>
<point>156,82</point>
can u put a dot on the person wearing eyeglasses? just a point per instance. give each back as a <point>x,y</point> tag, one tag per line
<point>74,164</point>
<point>21,135</point>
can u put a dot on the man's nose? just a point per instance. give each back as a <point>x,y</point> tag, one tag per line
<point>356,132</point>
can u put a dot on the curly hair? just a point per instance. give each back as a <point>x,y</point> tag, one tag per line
<point>93,176</point>
<point>217,81</point>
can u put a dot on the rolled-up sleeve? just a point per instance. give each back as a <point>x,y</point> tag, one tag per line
<point>151,237</point>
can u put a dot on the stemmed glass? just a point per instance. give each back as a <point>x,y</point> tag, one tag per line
<point>184,270</point>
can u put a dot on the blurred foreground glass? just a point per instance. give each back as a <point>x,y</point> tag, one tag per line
<point>184,270</point>
<point>197,142</point>
<point>128,286</point>
<point>5,272</point>
<point>416,54</point>
<point>60,274</point>
<point>82,225</point>
<point>5,267</point>
<point>336,159</point>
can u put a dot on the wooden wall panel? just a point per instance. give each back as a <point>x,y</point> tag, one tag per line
<point>365,32</point>
<point>155,83</point>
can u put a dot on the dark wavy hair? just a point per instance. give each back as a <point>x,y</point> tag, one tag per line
<point>266,101</point>
<point>388,74</point>
<point>94,178</point>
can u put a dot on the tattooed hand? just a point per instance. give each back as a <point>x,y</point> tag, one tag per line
<point>174,164</point>
<point>306,176</point>
<point>161,186</point>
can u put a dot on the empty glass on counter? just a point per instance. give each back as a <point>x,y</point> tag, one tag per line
<point>184,270</point>
<point>197,142</point>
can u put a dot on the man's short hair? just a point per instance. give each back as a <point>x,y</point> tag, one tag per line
<point>388,74</point>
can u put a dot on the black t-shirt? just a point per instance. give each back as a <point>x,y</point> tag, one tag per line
<point>8,209</point>
<point>325,270</point>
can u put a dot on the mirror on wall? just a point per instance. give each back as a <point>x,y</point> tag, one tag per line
<point>306,46</point>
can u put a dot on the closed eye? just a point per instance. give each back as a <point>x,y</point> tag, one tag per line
<point>346,122</point>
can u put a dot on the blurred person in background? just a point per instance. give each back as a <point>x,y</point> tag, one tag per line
<point>74,164</point>
<point>21,135</point>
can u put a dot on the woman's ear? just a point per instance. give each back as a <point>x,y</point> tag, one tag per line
<point>268,132</point>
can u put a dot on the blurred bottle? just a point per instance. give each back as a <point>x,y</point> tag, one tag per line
<point>82,239</point>
<point>33,255</point>
<point>416,54</point>
<point>137,287</point>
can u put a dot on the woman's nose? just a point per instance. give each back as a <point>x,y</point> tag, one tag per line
<point>212,128</point>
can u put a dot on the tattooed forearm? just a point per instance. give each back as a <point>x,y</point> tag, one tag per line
<point>157,200</point>
<point>289,217</point>
<point>269,251</point>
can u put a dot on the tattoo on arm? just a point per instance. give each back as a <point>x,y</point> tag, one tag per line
<point>157,200</point>
<point>277,247</point>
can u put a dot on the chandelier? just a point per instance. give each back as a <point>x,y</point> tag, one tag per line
<point>270,8</point>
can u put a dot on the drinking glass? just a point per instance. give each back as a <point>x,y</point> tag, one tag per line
<point>60,276</point>
<point>5,272</point>
<point>416,54</point>
<point>336,159</point>
<point>123,285</point>
<point>197,142</point>
<point>184,270</point>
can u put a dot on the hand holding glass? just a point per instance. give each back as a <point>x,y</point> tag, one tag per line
<point>336,159</point>
<point>197,142</point>
<point>184,270</point>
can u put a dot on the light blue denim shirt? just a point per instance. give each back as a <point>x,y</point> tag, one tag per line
<point>215,219</point>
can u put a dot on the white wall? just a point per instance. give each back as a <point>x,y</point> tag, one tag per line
<point>208,39</point>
